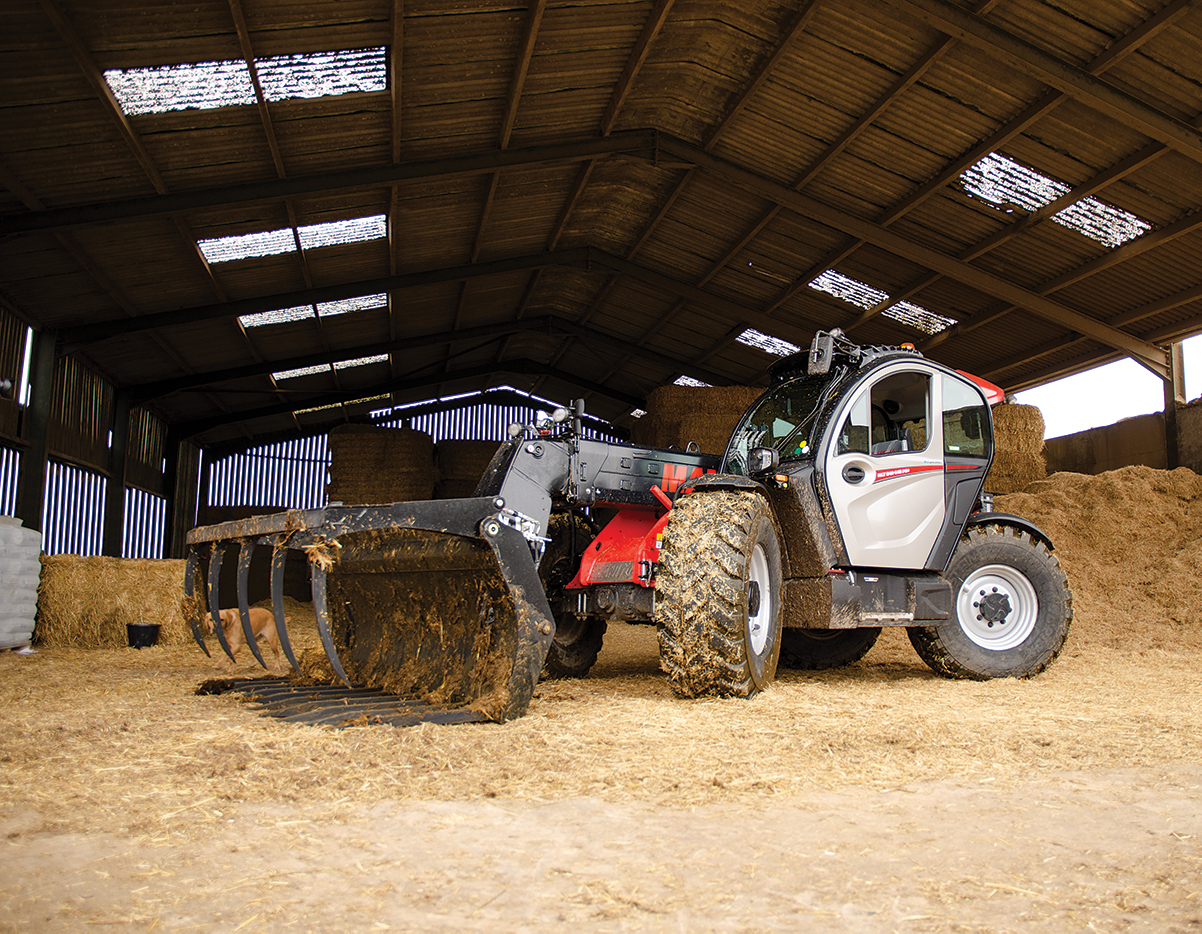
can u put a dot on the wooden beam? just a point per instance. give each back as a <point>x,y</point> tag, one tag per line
<point>637,141</point>
<point>1075,82</point>
<point>534,17</point>
<point>986,282</point>
<point>634,63</point>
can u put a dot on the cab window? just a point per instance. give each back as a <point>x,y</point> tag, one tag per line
<point>965,420</point>
<point>890,417</point>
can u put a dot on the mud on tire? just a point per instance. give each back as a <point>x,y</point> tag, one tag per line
<point>717,595</point>
<point>1011,609</point>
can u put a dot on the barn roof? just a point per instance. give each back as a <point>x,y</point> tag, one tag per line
<point>245,212</point>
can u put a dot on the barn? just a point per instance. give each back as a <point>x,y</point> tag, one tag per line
<point>261,256</point>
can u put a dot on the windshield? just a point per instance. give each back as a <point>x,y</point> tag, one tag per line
<point>782,418</point>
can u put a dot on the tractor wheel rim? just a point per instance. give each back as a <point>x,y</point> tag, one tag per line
<point>997,607</point>
<point>758,624</point>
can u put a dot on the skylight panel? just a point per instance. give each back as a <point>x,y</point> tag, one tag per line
<point>917,317</point>
<point>347,305</point>
<point>301,371</point>
<point>689,381</point>
<point>1009,184</point>
<point>339,405</point>
<point>767,343</point>
<point>1103,222</point>
<point>323,74</point>
<point>637,413</point>
<point>848,289</point>
<point>361,361</point>
<point>277,316</point>
<point>199,86</point>
<point>352,230</point>
<point>248,246</point>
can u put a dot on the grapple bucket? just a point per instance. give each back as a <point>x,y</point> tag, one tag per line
<point>437,604</point>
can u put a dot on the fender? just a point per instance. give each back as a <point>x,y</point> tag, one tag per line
<point>1016,522</point>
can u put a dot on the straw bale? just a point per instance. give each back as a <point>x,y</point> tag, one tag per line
<point>677,415</point>
<point>1012,417</point>
<point>460,465</point>
<point>1013,471</point>
<point>86,602</point>
<point>380,465</point>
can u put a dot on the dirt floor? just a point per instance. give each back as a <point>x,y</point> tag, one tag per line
<point>876,798</point>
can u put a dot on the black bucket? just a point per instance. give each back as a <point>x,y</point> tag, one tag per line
<point>142,634</point>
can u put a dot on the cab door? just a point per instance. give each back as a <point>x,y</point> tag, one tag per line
<point>884,469</point>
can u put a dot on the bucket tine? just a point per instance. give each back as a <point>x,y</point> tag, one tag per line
<point>246,550</point>
<point>190,601</point>
<point>279,555</point>
<point>323,620</point>
<point>214,590</point>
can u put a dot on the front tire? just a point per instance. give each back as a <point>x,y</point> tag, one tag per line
<point>1012,609</point>
<point>820,649</point>
<point>578,639</point>
<point>718,595</point>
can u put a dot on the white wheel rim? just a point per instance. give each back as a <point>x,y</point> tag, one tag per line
<point>997,607</point>
<point>759,624</point>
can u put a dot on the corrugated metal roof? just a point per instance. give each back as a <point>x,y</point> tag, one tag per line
<point>593,198</point>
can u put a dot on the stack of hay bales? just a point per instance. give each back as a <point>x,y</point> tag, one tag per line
<point>707,415</point>
<point>1018,459</point>
<point>380,465</point>
<point>87,602</point>
<point>461,464</point>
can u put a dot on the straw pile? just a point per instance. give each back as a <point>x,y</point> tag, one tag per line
<point>87,602</point>
<point>1018,460</point>
<point>380,465</point>
<point>706,415</point>
<point>461,464</point>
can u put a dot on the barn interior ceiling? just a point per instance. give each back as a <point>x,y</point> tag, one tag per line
<point>257,218</point>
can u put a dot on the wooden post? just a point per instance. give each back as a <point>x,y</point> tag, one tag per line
<point>114,496</point>
<point>32,484</point>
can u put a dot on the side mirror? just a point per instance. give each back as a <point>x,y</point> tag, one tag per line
<point>822,352</point>
<point>762,461</point>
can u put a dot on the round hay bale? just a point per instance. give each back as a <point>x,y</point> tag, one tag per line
<point>86,602</point>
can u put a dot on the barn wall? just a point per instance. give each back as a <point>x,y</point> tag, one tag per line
<point>1138,440</point>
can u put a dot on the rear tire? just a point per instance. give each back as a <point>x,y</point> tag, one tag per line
<point>1011,605</point>
<point>718,595</point>
<point>819,649</point>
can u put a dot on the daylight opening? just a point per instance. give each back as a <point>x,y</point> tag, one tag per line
<point>206,85</point>
<point>689,381</point>
<point>312,237</point>
<point>865,296</point>
<point>1008,185</point>
<point>767,343</point>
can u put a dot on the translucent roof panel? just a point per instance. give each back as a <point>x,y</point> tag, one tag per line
<point>277,316</point>
<point>917,317</point>
<point>847,289</point>
<point>348,305</point>
<point>361,361</point>
<point>301,371</point>
<point>354,230</point>
<point>323,74</point>
<point>689,381</point>
<point>1102,222</point>
<point>206,85</point>
<point>1009,184</point>
<point>767,343</point>
<point>248,246</point>
<point>199,86</point>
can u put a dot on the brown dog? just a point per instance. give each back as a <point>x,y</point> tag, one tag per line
<point>262,623</point>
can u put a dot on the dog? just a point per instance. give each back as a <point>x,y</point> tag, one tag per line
<point>262,624</point>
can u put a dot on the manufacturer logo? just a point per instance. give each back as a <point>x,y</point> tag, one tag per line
<point>676,474</point>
